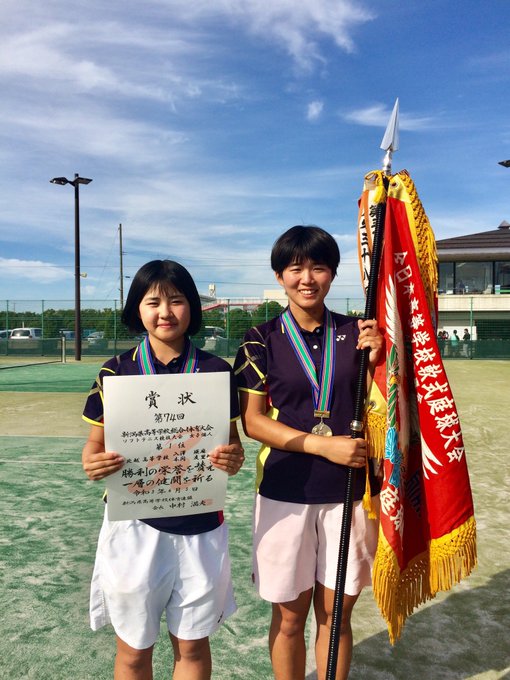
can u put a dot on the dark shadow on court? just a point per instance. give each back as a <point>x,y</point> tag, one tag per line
<point>457,638</point>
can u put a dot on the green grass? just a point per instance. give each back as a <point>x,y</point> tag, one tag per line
<point>59,377</point>
<point>51,517</point>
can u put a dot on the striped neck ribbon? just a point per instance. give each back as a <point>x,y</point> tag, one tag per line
<point>322,386</point>
<point>146,363</point>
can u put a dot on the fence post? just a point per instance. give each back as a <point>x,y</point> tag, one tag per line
<point>227,326</point>
<point>470,348</point>
<point>115,326</point>
<point>7,326</point>
<point>63,348</point>
<point>42,327</point>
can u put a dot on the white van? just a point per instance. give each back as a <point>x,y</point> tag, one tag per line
<point>25,333</point>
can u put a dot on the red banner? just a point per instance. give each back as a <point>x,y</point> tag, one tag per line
<point>427,539</point>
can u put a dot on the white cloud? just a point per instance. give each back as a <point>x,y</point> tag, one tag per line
<point>346,239</point>
<point>455,223</point>
<point>314,110</point>
<point>378,115</point>
<point>115,59</point>
<point>160,56</point>
<point>96,132</point>
<point>296,26</point>
<point>199,134</point>
<point>32,270</point>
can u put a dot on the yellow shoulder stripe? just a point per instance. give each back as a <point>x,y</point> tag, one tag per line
<point>245,389</point>
<point>92,422</point>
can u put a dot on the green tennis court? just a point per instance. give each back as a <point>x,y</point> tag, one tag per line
<point>51,516</point>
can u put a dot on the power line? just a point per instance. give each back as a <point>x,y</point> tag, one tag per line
<point>218,264</point>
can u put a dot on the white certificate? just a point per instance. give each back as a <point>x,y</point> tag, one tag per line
<point>165,426</point>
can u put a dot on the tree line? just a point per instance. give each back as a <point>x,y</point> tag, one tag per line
<point>234,321</point>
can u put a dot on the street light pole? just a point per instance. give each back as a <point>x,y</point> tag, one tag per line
<point>77,294</point>
<point>77,282</point>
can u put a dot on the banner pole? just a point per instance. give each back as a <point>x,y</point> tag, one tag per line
<point>389,143</point>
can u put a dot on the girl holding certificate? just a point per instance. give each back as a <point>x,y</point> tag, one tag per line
<point>177,565</point>
<point>297,378</point>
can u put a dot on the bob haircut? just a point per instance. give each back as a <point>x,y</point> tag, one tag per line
<point>164,276</point>
<point>300,243</point>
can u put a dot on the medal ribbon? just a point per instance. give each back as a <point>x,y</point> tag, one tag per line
<point>146,364</point>
<point>322,388</point>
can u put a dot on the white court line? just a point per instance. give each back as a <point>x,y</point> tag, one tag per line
<point>43,436</point>
<point>311,667</point>
<point>39,462</point>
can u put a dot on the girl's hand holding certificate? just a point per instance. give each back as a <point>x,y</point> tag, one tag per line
<point>97,462</point>
<point>100,464</point>
<point>228,458</point>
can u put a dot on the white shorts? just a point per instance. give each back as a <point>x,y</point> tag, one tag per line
<point>296,545</point>
<point>141,572</point>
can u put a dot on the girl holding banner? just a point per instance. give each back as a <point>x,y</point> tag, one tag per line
<point>178,565</point>
<point>297,379</point>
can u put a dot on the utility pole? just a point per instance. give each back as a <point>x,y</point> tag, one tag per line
<point>121,270</point>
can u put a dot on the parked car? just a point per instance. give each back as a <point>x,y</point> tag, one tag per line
<point>214,340</point>
<point>4,334</point>
<point>25,333</point>
<point>95,337</point>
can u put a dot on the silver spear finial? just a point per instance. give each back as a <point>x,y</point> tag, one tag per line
<point>390,139</point>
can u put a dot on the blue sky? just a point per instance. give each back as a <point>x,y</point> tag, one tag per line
<point>211,126</point>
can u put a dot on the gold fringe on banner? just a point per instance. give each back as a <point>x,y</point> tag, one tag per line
<point>375,434</point>
<point>448,560</point>
<point>403,188</point>
<point>367,497</point>
<point>453,556</point>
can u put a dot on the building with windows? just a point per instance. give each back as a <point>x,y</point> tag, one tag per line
<point>474,284</point>
<point>475,264</point>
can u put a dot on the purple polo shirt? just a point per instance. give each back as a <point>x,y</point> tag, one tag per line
<point>127,364</point>
<point>266,364</point>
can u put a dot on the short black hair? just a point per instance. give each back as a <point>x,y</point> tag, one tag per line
<point>302,243</point>
<point>162,275</point>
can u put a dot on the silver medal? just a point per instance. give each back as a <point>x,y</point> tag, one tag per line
<point>322,430</point>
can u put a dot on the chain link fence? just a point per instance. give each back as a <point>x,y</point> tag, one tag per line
<point>472,335</point>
